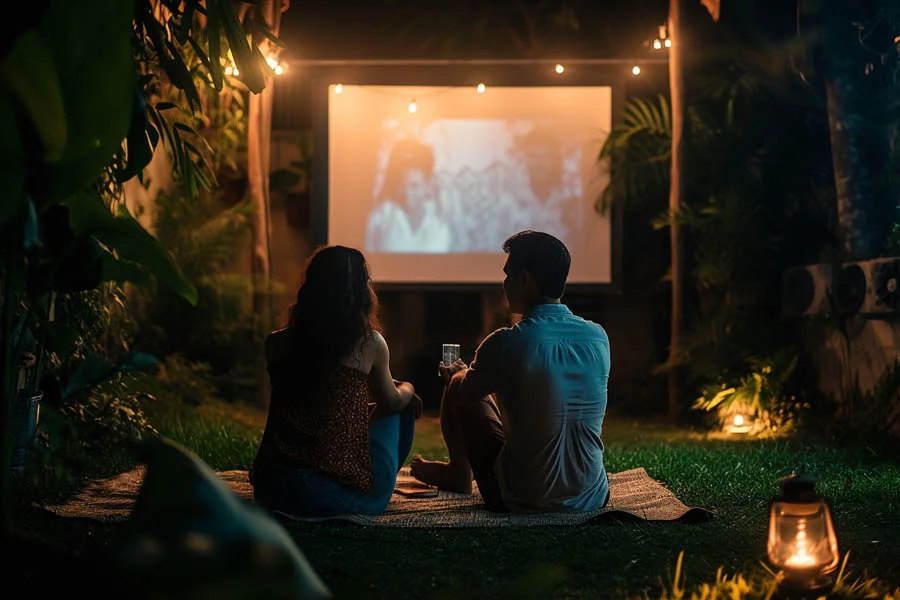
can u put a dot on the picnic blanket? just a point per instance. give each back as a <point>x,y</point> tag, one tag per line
<point>634,495</point>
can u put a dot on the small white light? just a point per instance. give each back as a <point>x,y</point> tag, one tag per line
<point>480,88</point>
<point>412,106</point>
<point>635,70</point>
<point>229,71</point>
<point>278,69</point>
<point>657,44</point>
<point>338,88</point>
<point>668,43</point>
<point>559,69</point>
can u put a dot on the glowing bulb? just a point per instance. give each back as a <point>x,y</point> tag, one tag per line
<point>480,88</point>
<point>338,88</point>
<point>412,106</point>
<point>738,420</point>
<point>229,71</point>
<point>560,69</point>
<point>271,61</point>
<point>278,69</point>
<point>236,73</point>
<point>668,43</point>
<point>657,44</point>
<point>635,70</point>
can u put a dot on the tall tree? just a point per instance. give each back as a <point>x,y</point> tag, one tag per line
<point>859,134</point>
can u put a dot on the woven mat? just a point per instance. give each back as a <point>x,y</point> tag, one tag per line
<point>634,496</point>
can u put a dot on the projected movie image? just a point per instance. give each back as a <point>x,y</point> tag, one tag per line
<point>464,184</point>
<point>431,195</point>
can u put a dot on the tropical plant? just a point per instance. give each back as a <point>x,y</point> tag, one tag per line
<point>79,118</point>
<point>744,216</point>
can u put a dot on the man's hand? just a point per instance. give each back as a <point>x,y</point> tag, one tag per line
<point>455,367</point>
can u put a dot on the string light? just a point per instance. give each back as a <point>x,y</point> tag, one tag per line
<point>668,43</point>
<point>657,44</point>
<point>635,70</point>
<point>559,68</point>
<point>273,63</point>
<point>338,88</point>
<point>412,106</point>
<point>480,88</point>
<point>232,71</point>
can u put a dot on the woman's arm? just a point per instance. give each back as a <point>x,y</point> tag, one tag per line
<point>390,396</point>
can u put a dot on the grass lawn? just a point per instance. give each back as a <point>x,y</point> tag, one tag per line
<point>736,479</point>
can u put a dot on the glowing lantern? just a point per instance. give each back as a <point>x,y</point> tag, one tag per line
<point>802,542</point>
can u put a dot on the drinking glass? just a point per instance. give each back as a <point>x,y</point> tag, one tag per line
<point>449,353</point>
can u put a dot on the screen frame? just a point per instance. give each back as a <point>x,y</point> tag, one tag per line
<point>586,73</point>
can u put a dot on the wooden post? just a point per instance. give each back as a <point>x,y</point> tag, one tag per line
<point>676,242</point>
<point>259,130</point>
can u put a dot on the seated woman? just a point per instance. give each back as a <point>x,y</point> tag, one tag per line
<point>324,452</point>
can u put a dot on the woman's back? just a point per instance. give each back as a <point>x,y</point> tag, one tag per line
<point>318,413</point>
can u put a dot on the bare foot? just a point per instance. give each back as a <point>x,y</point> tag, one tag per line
<point>440,474</point>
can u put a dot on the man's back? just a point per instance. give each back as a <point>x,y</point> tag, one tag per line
<point>550,374</point>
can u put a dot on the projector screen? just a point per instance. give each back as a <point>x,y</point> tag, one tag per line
<point>429,181</point>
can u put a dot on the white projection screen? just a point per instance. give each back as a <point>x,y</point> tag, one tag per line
<point>428,181</point>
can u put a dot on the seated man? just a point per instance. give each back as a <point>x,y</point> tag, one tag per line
<point>525,418</point>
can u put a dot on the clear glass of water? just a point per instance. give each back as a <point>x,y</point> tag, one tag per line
<point>449,354</point>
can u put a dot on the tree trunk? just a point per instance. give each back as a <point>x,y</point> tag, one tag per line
<point>259,129</point>
<point>859,141</point>
<point>676,92</point>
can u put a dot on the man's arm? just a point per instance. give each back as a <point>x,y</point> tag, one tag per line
<point>484,375</point>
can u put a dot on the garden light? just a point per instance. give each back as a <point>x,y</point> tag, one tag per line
<point>738,423</point>
<point>802,542</point>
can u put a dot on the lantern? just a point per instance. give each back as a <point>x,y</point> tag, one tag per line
<point>802,542</point>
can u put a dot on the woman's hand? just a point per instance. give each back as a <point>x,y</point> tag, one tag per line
<point>417,406</point>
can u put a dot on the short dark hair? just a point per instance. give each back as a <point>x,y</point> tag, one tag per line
<point>542,255</point>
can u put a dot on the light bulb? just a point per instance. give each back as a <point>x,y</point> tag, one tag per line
<point>560,69</point>
<point>738,420</point>
<point>278,69</point>
<point>229,71</point>
<point>480,88</point>
<point>338,88</point>
<point>657,44</point>
<point>412,106</point>
<point>635,70</point>
<point>668,43</point>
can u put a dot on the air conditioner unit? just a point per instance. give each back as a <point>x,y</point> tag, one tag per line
<point>868,288</point>
<point>807,290</point>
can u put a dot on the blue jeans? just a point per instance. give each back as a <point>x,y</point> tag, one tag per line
<point>309,493</point>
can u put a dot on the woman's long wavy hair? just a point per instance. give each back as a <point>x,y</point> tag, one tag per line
<point>336,305</point>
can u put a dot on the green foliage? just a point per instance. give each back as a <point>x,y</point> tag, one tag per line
<point>761,395</point>
<point>745,217</point>
<point>204,236</point>
<point>77,119</point>
<point>180,381</point>
<point>870,413</point>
